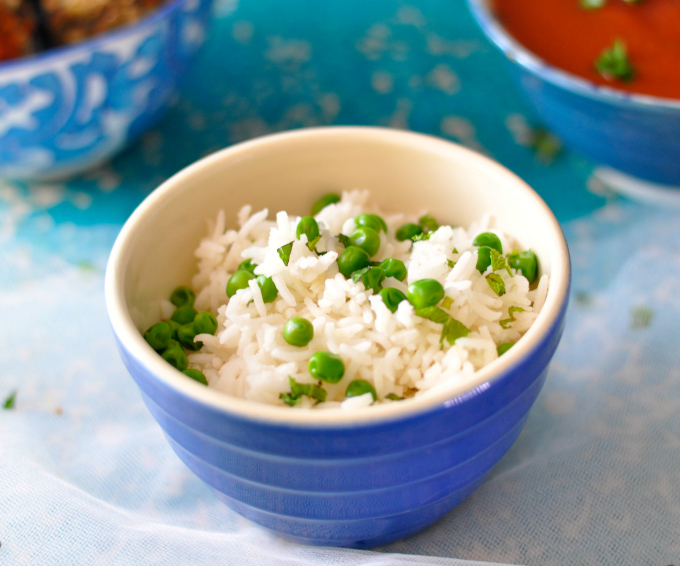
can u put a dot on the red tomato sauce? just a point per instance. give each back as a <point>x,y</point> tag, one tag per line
<point>567,36</point>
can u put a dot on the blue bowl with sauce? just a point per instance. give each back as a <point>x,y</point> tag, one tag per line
<point>70,108</point>
<point>359,479</point>
<point>636,135</point>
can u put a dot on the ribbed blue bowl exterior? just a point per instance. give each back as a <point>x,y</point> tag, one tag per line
<point>359,485</point>
<point>641,140</point>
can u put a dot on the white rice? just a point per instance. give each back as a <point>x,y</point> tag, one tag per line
<point>397,353</point>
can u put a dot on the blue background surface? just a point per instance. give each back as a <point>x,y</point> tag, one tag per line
<point>85,474</point>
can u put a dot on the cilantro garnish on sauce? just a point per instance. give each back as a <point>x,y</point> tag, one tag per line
<point>597,4</point>
<point>613,63</point>
<point>592,4</point>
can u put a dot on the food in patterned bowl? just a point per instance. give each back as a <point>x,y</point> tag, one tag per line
<point>601,75</point>
<point>373,474</point>
<point>71,107</point>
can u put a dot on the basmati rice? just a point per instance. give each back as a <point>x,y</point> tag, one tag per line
<point>399,353</point>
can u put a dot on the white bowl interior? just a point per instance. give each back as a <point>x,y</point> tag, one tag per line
<point>405,172</point>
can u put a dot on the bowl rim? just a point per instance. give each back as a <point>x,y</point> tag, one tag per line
<point>92,42</point>
<point>516,52</point>
<point>132,342</point>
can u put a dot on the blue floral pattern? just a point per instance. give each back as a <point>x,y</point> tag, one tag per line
<point>63,111</point>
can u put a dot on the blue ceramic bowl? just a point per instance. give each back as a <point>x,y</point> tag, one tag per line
<point>330,477</point>
<point>70,108</point>
<point>636,134</point>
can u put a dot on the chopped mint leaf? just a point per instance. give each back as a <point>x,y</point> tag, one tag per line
<point>312,245</point>
<point>447,302</point>
<point>10,401</point>
<point>344,240</point>
<point>289,399</point>
<point>546,145</point>
<point>87,266</point>
<point>511,318</point>
<point>455,251</point>
<point>393,397</point>
<point>498,262</point>
<point>284,253</point>
<point>450,263</point>
<point>297,390</point>
<point>435,314</point>
<point>613,63</point>
<point>502,348</point>
<point>496,283</point>
<point>641,317</point>
<point>453,330</point>
<point>421,237</point>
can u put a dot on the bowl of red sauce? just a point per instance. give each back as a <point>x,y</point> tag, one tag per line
<point>601,74</point>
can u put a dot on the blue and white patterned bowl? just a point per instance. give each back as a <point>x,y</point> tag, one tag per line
<point>636,134</point>
<point>328,477</point>
<point>70,108</point>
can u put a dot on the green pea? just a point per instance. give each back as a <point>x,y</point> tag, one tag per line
<point>408,231</point>
<point>196,374</point>
<point>176,357</point>
<point>173,327</point>
<point>372,221</point>
<point>323,202</point>
<point>298,331</point>
<point>174,343</point>
<point>205,323</point>
<point>182,296</point>
<point>526,262</point>
<point>184,315</point>
<point>247,265</point>
<point>267,288</point>
<point>373,279</point>
<point>367,239</point>
<point>483,258</point>
<point>307,226</point>
<point>186,335</point>
<point>502,348</point>
<point>425,293</point>
<point>360,387</point>
<point>158,335</point>
<point>326,367</point>
<point>490,240</point>
<point>392,297</point>
<point>394,268</point>
<point>353,259</point>
<point>238,280</point>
